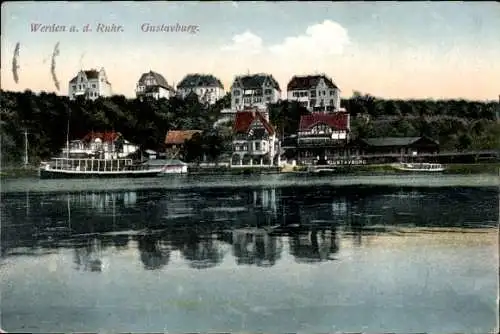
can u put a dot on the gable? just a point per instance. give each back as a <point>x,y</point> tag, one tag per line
<point>256,124</point>
<point>320,126</point>
<point>337,121</point>
<point>245,120</point>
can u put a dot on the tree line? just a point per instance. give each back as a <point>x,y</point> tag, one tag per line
<point>457,124</point>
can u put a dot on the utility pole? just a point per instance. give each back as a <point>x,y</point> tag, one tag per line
<point>25,148</point>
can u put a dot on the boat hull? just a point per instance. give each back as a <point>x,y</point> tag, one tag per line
<point>65,174</point>
<point>403,168</point>
<point>420,170</point>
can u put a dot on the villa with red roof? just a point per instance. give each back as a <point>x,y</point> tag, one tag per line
<point>323,137</point>
<point>102,145</point>
<point>255,142</point>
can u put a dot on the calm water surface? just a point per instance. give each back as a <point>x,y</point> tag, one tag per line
<point>248,257</point>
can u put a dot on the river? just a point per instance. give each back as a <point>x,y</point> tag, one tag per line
<point>268,253</point>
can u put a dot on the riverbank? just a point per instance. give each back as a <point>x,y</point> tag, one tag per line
<point>382,169</point>
<point>18,172</point>
<point>452,169</point>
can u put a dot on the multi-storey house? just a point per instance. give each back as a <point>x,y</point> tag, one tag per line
<point>90,84</point>
<point>318,93</point>
<point>255,90</point>
<point>208,88</point>
<point>152,84</point>
<point>255,142</point>
<point>323,137</point>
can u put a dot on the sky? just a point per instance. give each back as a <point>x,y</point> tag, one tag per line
<point>385,49</point>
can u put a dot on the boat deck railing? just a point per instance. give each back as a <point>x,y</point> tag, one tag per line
<point>93,165</point>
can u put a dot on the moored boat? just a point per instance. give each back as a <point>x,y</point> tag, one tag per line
<point>419,167</point>
<point>322,170</point>
<point>169,166</point>
<point>64,168</point>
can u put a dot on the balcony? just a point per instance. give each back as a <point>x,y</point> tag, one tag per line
<point>320,141</point>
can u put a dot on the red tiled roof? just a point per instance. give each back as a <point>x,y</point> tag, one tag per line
<point>338,121</point>
<point>180,136</point>
<point>245,118</point>
<point>104,136</point>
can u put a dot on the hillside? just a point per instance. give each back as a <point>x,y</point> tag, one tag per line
<point>456,124</point>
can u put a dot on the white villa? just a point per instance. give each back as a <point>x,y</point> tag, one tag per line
<point>208,88</point>
<point>254,90</point>
<point>152,84</point>
<point>255,142</point>
<point>90,84</point>
<point>317,93</point>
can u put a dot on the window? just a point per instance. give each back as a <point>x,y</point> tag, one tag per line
<point>268,91</point>
<point>74,86</point>
<point>268,99</point>
<point>313,103</point>
<point>236,93</point>
<point>94,85</point>
<point>257,146</point>
<point>313,93</point>
<point>331,102</point>
<point>237,101</point>
<point>79,86</point>
<point>332,93</point>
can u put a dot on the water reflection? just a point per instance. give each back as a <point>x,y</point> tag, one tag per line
<point>254,247</point>
<point>155,253</point>
<point>89,256</point>
<point>314,246</point>
<point>255,226</point>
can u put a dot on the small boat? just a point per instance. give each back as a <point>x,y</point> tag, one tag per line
<point>172,166</point>
<point>322,170</point>
<point>419,167</point>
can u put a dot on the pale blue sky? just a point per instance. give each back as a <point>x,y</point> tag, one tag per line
<point>395,35</point>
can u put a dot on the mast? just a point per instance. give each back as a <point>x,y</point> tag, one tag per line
<point>67,134</point>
